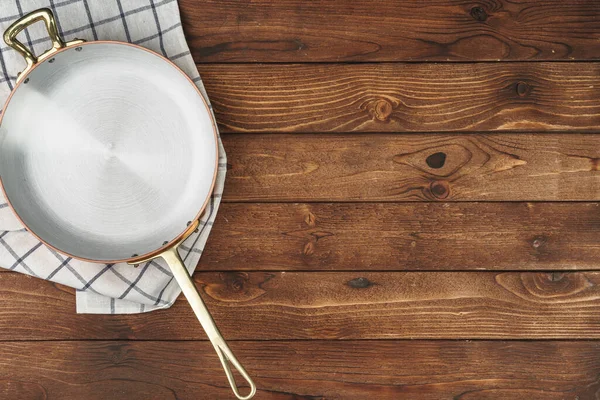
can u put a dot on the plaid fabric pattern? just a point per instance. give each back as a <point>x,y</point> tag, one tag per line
<point>102,288</point>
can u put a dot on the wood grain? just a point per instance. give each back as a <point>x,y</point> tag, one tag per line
<point>462,370</point>
<point>404,97</point>
<point>411,167</point>
<point>409,236</point>
<point>341,305</point>
<point>347,30</point>
<point>321,286</point>
<point>403,236</point>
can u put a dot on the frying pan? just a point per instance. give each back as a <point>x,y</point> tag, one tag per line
<point>108,153</point>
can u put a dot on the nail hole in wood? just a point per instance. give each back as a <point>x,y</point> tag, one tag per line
<point>436,160</point>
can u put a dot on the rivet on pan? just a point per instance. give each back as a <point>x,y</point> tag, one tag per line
<point>26,81</point>
<point>189,223</point>
<point>51,60</point>
<point>165,242</point>
<point>78,48</point>
<point>134,255</point>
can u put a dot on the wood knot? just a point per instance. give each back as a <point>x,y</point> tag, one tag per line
<point>310,219</point>
<point>236,282</point>
<point>118,353</point>
<point>359,283</point>
<point>539,247</point>
<point>523,89</point>
<point>558,284</point>
<point>441,161</point>
<point>547,288</point>
<point>439,189</point>
<point>380,109</point>
<point>309,249</point>
<point>478,14</point>
<point>556,276</point>
<point>234,286</point>
<point>436,160</point>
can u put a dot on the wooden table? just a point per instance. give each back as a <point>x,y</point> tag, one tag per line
<point>411,212</point>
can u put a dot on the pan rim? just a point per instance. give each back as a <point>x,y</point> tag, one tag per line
<point>182,235</point>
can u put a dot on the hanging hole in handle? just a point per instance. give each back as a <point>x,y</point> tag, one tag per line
<point>227,360</point>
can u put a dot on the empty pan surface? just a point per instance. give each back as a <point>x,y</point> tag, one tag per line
<point>107,152</point>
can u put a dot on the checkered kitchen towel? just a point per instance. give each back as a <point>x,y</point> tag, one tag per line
<point>110,288</point>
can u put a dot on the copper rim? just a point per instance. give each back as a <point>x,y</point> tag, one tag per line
<point>186,231</point>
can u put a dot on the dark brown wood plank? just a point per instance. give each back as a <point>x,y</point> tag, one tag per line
<point>411,167</point>
<point>360,305</point>
<point>405,236</point>
<point>404,97</point>
<point>409,236</point>
<point>462,370</point>
<point>350,30</point>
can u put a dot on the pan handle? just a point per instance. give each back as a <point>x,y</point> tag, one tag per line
<point>43,14</point>
<point>171,256</point>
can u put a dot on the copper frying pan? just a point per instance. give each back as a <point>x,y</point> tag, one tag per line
<point>108,153</point>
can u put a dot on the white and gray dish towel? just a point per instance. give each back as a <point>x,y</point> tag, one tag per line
<point>102,288</point>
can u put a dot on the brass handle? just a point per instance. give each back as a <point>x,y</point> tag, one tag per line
<point>43,14</point>
<point>188,287</point>
<point>173,259</point>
